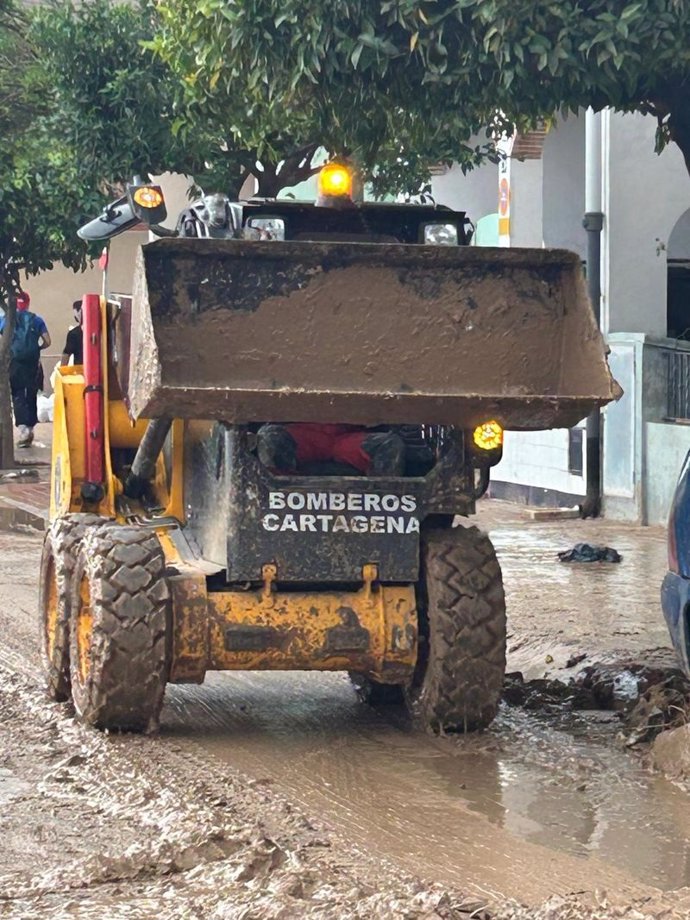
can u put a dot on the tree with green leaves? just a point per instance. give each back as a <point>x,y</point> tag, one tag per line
<point>40,194</point>
<point>125,109</point>
<point>284,76</point>
<point>384,79</point>
<point>82,108</point>
<point>112,100</point>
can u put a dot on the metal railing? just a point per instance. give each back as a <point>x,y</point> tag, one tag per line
<point>677,384</point>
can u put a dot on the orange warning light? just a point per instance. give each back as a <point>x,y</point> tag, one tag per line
<point>488,435</point>
<point>335,180</point>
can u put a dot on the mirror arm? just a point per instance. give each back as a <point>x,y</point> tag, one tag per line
<point>158,230</point>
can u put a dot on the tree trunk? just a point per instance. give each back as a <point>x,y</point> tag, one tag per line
<point>6,431</point>
<point>295,168</point>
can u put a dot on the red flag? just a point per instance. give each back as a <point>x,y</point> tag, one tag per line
<point>103,261</point>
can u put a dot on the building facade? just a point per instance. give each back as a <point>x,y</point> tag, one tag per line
<point>645,303</point>
<point>537,198</point>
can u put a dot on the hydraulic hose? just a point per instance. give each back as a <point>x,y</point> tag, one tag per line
<point>144,464</point>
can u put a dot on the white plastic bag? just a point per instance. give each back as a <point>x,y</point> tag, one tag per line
<point>44,407</point>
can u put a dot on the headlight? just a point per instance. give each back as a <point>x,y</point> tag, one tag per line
<point>441,234</point>
<point>264,228</point>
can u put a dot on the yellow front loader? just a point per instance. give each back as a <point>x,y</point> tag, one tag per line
<point>174,550</point>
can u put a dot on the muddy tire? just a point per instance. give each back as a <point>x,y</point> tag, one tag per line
<point>119,629</point>
<point>374,694</point>
<point>58,561</point>
<point>462,624</point>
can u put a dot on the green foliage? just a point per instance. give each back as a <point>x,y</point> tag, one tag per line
<point>286,74</point>
<point>401,80</point>
<point>113,101</point>
<point>122,107</point>
<point>39,191</point>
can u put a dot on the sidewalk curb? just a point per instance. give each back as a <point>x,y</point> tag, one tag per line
<point>16,515</point>
<point>19,475</point>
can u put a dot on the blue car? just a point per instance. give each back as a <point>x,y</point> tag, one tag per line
<point>675,590</point>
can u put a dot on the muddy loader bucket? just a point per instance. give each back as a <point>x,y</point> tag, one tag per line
<point>363,333</point>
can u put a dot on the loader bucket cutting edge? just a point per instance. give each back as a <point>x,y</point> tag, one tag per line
<point>363,333</point>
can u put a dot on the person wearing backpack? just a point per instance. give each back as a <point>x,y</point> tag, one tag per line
<point>29,338</point>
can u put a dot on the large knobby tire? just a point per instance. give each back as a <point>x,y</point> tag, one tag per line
<point>462,623</point>
<point>58,561</point>
<point>119,629</point>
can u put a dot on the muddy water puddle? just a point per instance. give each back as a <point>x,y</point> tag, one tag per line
<point>522,810</point>
<point>534,806</point>
<point>593,606</point>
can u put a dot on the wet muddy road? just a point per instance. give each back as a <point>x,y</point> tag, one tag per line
<point>540,805</point>
<point>523,810</point>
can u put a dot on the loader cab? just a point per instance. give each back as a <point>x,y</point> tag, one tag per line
<point>336,217</point>
<point>364,222</point>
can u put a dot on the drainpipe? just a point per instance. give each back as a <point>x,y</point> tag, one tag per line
<point>593,224</point>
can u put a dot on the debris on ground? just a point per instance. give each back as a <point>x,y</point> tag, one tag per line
<point>646,699</point>
<point>18,475</point>
<point>587,552</point>
<point>130,828</point>
<point>671,753</point>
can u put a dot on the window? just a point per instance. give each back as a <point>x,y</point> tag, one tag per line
<point>575,444</point>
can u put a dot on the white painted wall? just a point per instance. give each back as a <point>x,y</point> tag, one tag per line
<point>563,191</point>
<point>644,196</point>
<point>667,444</point>
<point>475,193</point>
<point>647,219</point>
<point>526,214</point>
<point>539,459</point>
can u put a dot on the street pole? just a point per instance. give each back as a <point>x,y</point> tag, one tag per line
<point>593,224</point>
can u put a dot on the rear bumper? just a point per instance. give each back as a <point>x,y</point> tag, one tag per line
<point>675,601</point>
<point>372,631</point>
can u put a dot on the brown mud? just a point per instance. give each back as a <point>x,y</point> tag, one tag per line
<point>349,333</point>
<point>281,795</point>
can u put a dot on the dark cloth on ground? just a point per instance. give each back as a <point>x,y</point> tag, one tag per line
<point>586,552</point>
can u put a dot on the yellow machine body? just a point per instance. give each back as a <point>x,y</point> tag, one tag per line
<point>371,630</point>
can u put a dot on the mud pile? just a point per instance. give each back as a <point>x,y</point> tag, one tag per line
<point>646,698</point>
<point>134,827</point>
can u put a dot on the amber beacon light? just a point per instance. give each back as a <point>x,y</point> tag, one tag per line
<point>488,435</point>
<point>335,180</point>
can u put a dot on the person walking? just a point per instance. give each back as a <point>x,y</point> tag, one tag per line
<point>30,337</point>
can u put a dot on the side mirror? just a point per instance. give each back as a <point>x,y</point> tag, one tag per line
<point>141,204</point>
<point>115,218</point>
